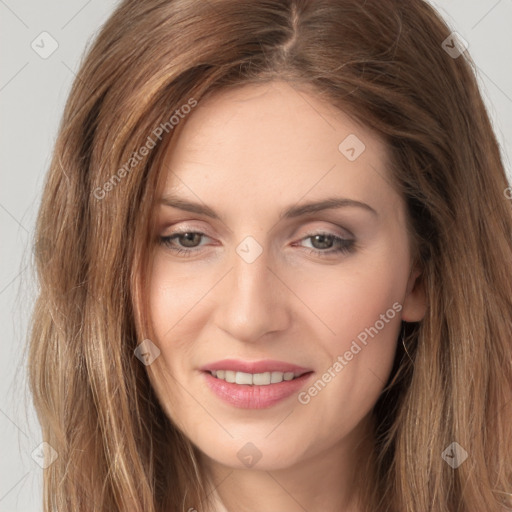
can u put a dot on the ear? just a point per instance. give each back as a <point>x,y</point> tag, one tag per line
<point>415,303</point>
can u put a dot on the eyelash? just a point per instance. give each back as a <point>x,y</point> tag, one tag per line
<point>345,245</point>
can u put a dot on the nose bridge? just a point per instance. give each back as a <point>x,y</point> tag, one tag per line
<point>250,269</point>
<point>251,276</point>
<point>251,287</point>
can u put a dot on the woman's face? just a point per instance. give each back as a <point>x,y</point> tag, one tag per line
<point>294,264</point>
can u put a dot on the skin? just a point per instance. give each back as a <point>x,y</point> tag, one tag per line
<point>248,154</point>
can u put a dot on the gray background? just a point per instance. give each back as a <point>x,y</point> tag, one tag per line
<point>32,94</point>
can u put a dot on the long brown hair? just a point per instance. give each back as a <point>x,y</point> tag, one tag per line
<point>386,63</point>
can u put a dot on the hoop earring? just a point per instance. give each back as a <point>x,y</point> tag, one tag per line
<point>402,335</point>
<point>506,501</point>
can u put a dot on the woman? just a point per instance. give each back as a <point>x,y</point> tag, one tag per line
<point>280,275</point>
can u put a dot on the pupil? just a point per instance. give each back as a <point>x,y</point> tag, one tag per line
<point>190,238</point>
<point>324,241</point>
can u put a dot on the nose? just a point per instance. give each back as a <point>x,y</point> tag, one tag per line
<point>252,301</point>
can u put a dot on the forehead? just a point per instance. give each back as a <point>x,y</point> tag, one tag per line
<point>273,143</point>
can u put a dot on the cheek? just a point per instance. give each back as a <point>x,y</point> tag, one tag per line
<point>362,306</point>
<point>175,291</point>
<point>349,298</point>
<point>174,300</point>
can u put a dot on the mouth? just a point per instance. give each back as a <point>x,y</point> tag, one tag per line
<point>254,385</point>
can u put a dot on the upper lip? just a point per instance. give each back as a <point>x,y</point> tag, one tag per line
<point>263,366</point>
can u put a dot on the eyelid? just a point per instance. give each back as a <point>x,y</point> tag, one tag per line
<point>184,228</point>
<point>320,228</point>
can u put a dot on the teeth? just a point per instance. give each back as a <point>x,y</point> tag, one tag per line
<point>263,379</point>
<point>243,378</point>
<point>253,379</point>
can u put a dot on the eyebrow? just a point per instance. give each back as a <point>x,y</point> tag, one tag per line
<point>288,213</point>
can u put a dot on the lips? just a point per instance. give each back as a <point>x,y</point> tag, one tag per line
<point>254,385</point>
<point>255,366</point>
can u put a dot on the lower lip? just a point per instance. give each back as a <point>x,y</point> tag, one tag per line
<point>245,396</point>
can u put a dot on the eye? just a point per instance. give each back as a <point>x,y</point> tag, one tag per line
<point>327,244</point>
<point>323,244</point>
<point>188,240</point>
